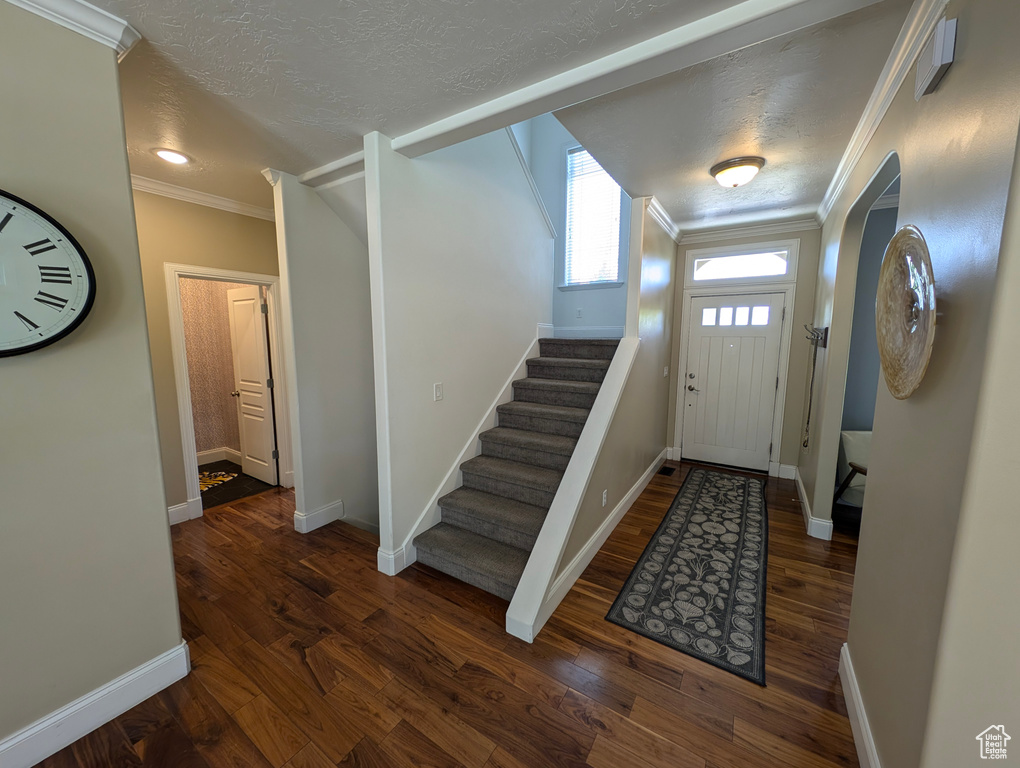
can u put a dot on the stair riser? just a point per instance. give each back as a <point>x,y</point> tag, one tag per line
<point>485,528</point>
<point>522,493</point>
<point>458,571</point>
<point>553,397</point>
<point>565,372</point>
<point>576,349</point>
<point>534,424</point>
<point>525,455</point>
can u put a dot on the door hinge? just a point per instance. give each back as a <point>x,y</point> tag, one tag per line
<point>276,454</point>
<point>770,450</point>
<point>265,308</point>
<point>783,318</point>
<point>777,383</point>
<point>269,383</point>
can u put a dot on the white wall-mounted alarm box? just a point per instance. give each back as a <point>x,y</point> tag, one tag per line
<point>935,58</point>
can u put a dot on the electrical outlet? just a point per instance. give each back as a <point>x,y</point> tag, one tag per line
<point>665,372</point>
<point>578,311</point>
<point>437,391</point>
<point>605,497</point>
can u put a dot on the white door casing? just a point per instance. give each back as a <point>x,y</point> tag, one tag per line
<point>731,378</point>
<point>250,348</point>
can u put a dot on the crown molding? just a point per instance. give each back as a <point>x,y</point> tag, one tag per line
<point>921,20</point>
<point>85,19</point>
<point>162,188</point>
<point>753,230</point>
<point>272,176</point>
<point>742,24</point>
<point>663,218</point>
<point>886,201</point>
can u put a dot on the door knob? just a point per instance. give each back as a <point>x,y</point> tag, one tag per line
<point>236,393</point>
<point>690,388</point>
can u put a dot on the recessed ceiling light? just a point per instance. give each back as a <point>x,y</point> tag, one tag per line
<point>738,171</point>
<point>173,157</point>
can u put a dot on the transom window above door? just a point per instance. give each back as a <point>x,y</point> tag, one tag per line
<point>735,265</point>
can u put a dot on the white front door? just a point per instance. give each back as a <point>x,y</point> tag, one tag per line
<point>731,379</point>
<point>251,383</point>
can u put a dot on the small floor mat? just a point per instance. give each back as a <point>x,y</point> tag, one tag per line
<point>207,480</point>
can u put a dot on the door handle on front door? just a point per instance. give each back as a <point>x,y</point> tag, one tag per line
<point>690,388</point>
<point>236,393</point>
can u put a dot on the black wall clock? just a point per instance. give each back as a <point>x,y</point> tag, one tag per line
<point>46,281</point>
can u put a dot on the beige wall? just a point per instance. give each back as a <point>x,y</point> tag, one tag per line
<point>977,678</point>
<point>798,370</point>
<point>326,300</point>
<point>638,433</point>
<point>956,150</point>
<point>206,320</point>
<point>86,576</point>
<point>183,233</point>
<point>464,262</point>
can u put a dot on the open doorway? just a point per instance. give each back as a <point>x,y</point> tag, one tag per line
<point>226,345</point>
<point>863,366</point>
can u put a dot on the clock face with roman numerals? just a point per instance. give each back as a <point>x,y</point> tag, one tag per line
<point>46,281</point>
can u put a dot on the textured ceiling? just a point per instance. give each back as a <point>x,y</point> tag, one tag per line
<point>244,84</point>
<point>795,100</point>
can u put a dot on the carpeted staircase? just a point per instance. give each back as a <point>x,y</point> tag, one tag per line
<point>490,524</point>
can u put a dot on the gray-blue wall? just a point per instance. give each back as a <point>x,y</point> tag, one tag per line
<point>602,307</point>
<point>864,366</point>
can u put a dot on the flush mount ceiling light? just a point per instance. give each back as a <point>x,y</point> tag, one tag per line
<point>738,171</point>
<point>172,157</point>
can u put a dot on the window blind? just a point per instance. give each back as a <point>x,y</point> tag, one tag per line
<point>593,221</point>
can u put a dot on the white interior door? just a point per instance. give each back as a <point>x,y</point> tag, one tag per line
<point>731,379</point>
<point>251,383</point>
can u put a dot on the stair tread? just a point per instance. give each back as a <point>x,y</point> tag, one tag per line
<point>514,472</point>
<point>581,342</point>
<point>543,411</point>
<point>573,362</point>
<point>559,385</point>
<point>535,441</point>
<point>493,559</point>
<point>497,510</point>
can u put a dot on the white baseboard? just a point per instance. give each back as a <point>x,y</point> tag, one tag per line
<point>545,331</point>
<point>392,563</point>
<point>590,332</point>
<point>562,584</point>
<point>783,471</point>
<point>218,454</point>
<point>287,481</point>
<point>52,733</point>
<point>816,526</point>
<point>867,753</point>
<point>673,454</point>
<point>189,510</point>
<point>304,522</point>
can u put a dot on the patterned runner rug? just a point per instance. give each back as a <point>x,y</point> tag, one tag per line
<point>699,586</point>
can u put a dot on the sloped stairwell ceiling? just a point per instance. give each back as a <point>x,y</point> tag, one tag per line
<point>795,100</point>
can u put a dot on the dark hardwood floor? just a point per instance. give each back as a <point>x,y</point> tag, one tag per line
<point>305,656</point>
